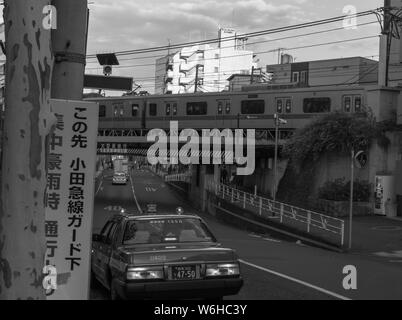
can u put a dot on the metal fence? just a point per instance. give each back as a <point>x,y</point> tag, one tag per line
<point>303,219</point>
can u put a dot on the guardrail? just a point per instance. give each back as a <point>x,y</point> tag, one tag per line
<point>292,216</point>
<point>178,178</point>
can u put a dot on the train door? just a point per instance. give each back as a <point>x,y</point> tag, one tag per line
<point>224,117</point>
<point>171,111</point>
<point>144,114</point>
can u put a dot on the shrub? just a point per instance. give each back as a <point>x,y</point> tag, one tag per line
<point>339,190</point>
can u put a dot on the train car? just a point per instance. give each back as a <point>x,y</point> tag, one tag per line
<point>254,109</point>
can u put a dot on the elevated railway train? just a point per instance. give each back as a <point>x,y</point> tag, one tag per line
<point>231,110</point>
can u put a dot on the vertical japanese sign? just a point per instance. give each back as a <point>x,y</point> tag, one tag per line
<point>69,197</point>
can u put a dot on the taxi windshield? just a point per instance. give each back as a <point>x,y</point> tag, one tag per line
<point>172,230</point>
<point>120,174</point>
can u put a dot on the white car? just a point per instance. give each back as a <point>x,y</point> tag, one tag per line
<point>119,178</point>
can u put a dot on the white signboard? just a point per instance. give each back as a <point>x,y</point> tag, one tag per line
<point>69,198</point>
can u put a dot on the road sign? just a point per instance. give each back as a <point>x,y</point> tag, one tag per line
<point>361,159</point>
<point>69,197</point>
<point>108,83</point>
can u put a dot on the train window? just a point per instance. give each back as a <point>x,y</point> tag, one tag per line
<point>358,104</point>
<point>279,106</point>
<point>197,108</point>
<point>347,104</point>
<point>134,110</point>
<point>228,107</point>
<point>118,110</point>
<point>102,111</point>
<point>288,105</point>
<point>152,109</point>
<point>317,105</point>
<point>168,109</point>
<point>220,107</point>
<point>174,109</point>
<point>253,107</point>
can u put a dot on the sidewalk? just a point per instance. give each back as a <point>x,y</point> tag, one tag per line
<point>376,236</point>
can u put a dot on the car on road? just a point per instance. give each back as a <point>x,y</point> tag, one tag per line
<point>119,178</point>
<point>163,256</point>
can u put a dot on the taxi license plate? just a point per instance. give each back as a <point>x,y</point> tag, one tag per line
<point>184,272</point>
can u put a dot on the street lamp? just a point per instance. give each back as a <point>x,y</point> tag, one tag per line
<point>278,122</point>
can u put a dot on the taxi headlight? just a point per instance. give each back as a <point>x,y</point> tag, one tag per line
<point>152,273</point>
<point>223,270</point>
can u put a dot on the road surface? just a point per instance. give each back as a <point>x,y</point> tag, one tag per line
<point>272,268</point>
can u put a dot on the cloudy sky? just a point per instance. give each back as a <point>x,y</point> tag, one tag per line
<point>117,25</point>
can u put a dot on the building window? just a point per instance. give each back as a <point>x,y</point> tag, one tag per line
<point>303,77</point>
<point>295,77</point>
<point>253,107</point>
<point>197,108</point>
<point>317,105</point>
<point>102,111</point>
<point>134,110</point>
<point>347,104</point>
<point>216,69</point>
<point>121,111</point>
<point>216,55</point>
<point>152,109</point>
<point>175,109</point>
<point>168,109</point>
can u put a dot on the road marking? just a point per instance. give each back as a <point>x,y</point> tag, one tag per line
<point>311,286</point>
<point>99,188</point>
<point>149,189</point>
<point>254,235</point>
<point>272,240</point>
<point>394,254</point>
<point>135,198</point>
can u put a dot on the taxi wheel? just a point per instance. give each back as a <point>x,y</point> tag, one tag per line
<point>113,293</point>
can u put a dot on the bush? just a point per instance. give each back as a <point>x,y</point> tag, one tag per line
<point>339,190</point>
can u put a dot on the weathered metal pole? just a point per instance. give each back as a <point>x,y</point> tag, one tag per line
<point>28,121</point>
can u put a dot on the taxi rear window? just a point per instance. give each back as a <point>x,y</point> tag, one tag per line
<point>158,231</point>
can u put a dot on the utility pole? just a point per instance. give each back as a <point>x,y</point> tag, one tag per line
<point>352,175</point>
<point>276,116</point>
<point>28,120</point>
<point>387,33</point>
<point>69,43</point>
<point>196,77</point>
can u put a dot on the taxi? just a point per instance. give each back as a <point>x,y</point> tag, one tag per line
<point>119,178</point>
<point>163,256</point>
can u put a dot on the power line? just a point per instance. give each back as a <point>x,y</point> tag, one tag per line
<point>246,35</point>
<point>258,52</point>
<point>258,42</point>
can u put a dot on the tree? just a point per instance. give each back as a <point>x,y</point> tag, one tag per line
<point>28,120</point>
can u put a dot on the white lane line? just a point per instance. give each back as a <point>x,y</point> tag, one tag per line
<point>254,235</point>
<point>100,185</point>
<point>135,198</point>
<point>311,286</point>
<point>272,240</point>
